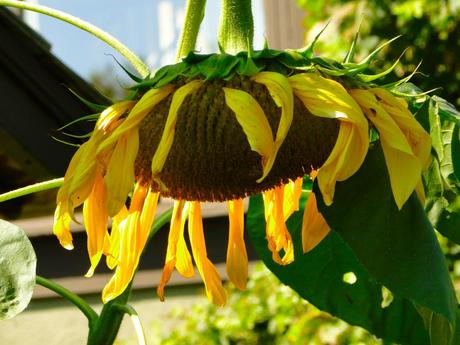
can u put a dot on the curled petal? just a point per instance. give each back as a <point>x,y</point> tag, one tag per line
<point>417,137</point>
<point>119,179</point>
<point>237,257</point>
<point>278,236</point>
<point>292,193</point>
<point>327,98</point>
<point>314,226</point>
<point>167,137</point>
<point>212,281</point>
<point>95,218</point>
<point>61,227</point>
<point>113,252</point>
<point>404,167</point>
<point>142,108</point>
<point>281,92</point>
<point>252,119</point>
<point>177,254</point>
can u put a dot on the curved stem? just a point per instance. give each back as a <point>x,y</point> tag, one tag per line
<point>33,188</point>
<point>79,23</point>
<point>236,30</point>
<point>194,15</point>
<point>81,304</point>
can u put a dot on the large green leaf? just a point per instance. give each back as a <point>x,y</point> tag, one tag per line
<point>17,270</point>
<point>318,276</point>
<point>398,247</point>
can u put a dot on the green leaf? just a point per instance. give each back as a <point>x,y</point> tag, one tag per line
<point>218,66</point>
<point>398,247</point>
<point>318,277</point>
<point>382,247</point>
<point>17,270</point>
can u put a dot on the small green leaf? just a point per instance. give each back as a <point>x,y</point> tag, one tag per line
<point>17,270</point>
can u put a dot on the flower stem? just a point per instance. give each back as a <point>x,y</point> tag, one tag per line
<point>33,188</point>
<point>137,324</point>
<point>236,30</point>
<point>194,15</point>
<point>137,63</point>
<point>106,328</point>
<point>81,304</point>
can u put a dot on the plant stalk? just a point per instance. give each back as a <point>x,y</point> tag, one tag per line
<point>33,188</point>
<point>137,63</point>
<point>80,303</point>
<point>236,30</point>
<point>194,14</point>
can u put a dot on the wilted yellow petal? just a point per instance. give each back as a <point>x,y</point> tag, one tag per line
<point>142,108</point>
<point>327,98</point>
<point>292,193</point>
<point>403,166</point>
<point>95,218</point>
<point>314,226</point>
<point>167,137</point>
<point>148,213</point>
<point>278,236</point>
<point>128,258</point>
<point>177,254</point>
<point>417,137</point>
<point>119,179</point>
<point>237,257</point>
<point>342,161</point>
<point>252,119</point>
<point>280,90</point>
<point>212,281</point>
<point>61,227</point>
<point>115,242</point>
<point>110,115</point>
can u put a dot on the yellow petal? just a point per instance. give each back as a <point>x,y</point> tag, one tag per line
<point>342,161</point>
<point>292,193</point>
<point>314,226</point>
<point>237,257</point>
<point>128,258</point>
<point>417,137</point>
<point>61,227</point>
<point>403,166</point>
<point>252,119</point>
<point>148,213</point>
<point>212,281</point>
<point>280,90</point>
<point>327,98</point>
<point>142,108</point>
<point>119,179</point>
<point>278,236</point>
<point>95,218</point>
<point>167,137</point>
<point>177,254</point>
<point>112,255</point>
<point>111,115</point>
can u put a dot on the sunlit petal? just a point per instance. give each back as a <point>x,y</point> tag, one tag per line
<point>314,226</point>
<point>237,258</point>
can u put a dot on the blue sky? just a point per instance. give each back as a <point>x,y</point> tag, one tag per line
<point>151,35</point>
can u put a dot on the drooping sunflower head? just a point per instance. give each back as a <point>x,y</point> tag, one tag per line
<point>220,128</point>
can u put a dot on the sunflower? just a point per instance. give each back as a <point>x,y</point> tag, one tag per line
<point>196,138</point>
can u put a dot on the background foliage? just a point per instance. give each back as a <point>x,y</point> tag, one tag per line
<point>430,32</point>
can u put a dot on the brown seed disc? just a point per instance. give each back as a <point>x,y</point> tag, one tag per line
<point>211,160</point>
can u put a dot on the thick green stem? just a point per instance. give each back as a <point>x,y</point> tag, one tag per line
<point>81,304</point>
<point>33,188</point>
<point>79,23</point>
<point>194,15</point>
<point>236,30</point>
<point>106,328</point>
